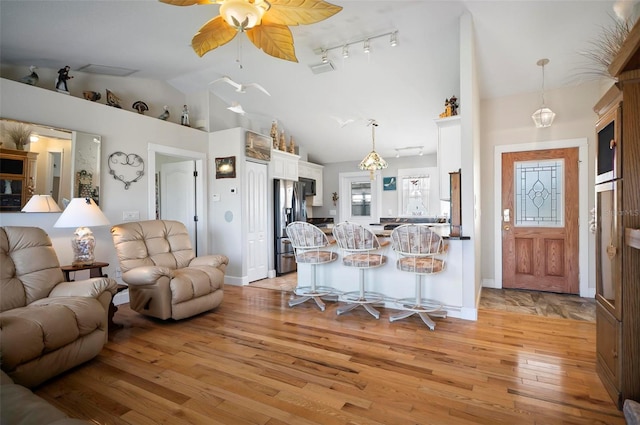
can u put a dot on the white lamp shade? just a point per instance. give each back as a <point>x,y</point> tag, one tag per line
<point>543,117</point>
<point>41,203</point>
<point>82,212</point>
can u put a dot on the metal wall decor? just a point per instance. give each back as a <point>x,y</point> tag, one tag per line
<point>128,168</point>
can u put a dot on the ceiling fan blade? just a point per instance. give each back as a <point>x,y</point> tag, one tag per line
<point>187,2</point>
<point>213,34</point>
<point>273,39</point>
<point>300,12</point>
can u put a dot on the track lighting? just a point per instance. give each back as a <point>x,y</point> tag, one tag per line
<point>366,45</point>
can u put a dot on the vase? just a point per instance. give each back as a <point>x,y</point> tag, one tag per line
<point>7,187</point>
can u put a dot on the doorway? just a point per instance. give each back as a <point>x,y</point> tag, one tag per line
<point>54,176</point>
<point>360,198</point>
<point>182,195</point>
<point>582,208</point>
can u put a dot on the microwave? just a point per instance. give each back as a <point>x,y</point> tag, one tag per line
<point>309,186</point>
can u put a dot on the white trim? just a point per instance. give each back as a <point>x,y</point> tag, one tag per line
<point>583,199</point>
<point>489,283</point>
<point>200,159</point>
<point>236,281</point>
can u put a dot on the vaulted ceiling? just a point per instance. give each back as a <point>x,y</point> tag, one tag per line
<point>402,87</point>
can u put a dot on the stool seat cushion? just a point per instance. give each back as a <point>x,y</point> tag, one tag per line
<point>316,257</point>
<point>426,265</point>
<point>364,260</point>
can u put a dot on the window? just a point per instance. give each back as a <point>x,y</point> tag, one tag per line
<point>413,192</point>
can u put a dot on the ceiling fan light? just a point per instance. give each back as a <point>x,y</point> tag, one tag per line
<point>543,117</point>
<point>243,14</point>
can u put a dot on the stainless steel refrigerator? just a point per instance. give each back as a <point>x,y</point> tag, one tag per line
<point>290,206</point>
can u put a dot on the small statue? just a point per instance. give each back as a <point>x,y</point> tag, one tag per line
<point>453,102</point>
<point>274,134</point>
<point>113,100</point>
<point>447,109</point>
<point>140,106</point>
<point>63,77</point>
<point>184,119</point>
<point>165,115</point>
<point>283,143</point>
<point>32,78</point>
<point>292,146</point>
<point>91,95</point>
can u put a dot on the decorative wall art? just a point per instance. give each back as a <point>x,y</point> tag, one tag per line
<point>389,183</point>
<point>257,146</point>
<point>226,167</point>
<point>128,168</point>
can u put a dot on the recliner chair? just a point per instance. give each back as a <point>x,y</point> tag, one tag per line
<point>166,279</point>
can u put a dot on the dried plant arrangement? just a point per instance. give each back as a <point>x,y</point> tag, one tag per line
<point>20,134</point>
<point>604,49</point>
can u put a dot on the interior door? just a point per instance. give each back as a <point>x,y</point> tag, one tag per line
<point>359,199</point>
<point>178,195</point>
<point>540,220</point>
<point>257,222</point>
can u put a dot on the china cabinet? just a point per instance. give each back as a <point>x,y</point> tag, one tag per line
<point>315,172</point>
<point>449,152</point>
<point>17,176</point>
<point>617,217</point>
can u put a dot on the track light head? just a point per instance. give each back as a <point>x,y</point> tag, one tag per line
<point>345,51</point>
<point>393,41</point>
<point>366,47</point>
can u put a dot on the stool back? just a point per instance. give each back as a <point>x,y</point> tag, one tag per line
<point>358,244</point>
<point>307,241</point>
<point>420,249</point>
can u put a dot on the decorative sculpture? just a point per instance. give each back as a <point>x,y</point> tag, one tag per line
<point>118,163</point>
<point>61,80</point>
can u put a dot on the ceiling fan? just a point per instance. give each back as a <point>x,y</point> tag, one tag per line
<point>265,23</point>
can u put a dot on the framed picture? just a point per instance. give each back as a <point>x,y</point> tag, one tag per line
<point>226,167</point>
<point>389,183</point>
<point>257,146</point>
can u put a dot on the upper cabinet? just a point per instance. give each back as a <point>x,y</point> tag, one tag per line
<point>449,152</point>
<point>17,173</point>
<point>283,165</point>
<point>312,171</point>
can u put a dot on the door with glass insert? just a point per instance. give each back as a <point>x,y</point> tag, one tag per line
<point>540,220</point>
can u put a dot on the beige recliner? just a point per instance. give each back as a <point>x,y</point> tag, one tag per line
<point>47,325</point>
<point>166,279</point>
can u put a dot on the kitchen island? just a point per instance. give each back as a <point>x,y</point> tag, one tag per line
<point>445,287</point>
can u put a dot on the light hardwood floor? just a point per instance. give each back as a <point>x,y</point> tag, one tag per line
<point>254,360</point>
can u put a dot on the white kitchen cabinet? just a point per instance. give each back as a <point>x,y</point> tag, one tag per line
<point>315,172</point>
<point>449,152</point>
<point>283,165</point>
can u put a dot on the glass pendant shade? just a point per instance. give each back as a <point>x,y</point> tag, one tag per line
<point>81,213</point>
<point>543,117</point>
<point>243,14</point>
<point>373,161</point>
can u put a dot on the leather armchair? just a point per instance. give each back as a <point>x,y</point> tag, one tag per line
<point>47,325</point>
<point>165,278</point>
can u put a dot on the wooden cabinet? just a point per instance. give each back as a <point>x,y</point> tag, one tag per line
<point>449,152</point>
<point>283,165</point>
<point>17,178</point>
<point>617,212</point>
<point>315,172</point>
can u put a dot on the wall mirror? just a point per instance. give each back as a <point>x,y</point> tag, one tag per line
<point>64,164</point>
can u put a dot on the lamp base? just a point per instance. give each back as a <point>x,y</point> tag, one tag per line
<point>83,244</point>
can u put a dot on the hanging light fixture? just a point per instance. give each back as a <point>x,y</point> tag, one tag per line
<point>373,161</point>
<point>544,116</point>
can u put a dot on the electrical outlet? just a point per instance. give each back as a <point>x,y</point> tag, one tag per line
<point>130,215</point>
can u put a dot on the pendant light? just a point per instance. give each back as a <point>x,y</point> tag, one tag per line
<point>544,116</point>
<point>373,161</point>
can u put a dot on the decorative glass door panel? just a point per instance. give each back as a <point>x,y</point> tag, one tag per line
<point>361,198</point>
<point>414,195</point>
<point>539,193</point>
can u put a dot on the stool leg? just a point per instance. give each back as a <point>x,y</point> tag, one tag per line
<point>427,320</point>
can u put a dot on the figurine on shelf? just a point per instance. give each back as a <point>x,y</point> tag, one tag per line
<point>274,134</point>
<point>447,109</point>
<point>165,115</point>
<point>113,100</point>
<point>63,77</point>
<point>140,106</point>
<point>91,95</point>
<point>184,119</point>
<point>292,145</point>
<point>32,78</point>
<point>453,102</point>
<point>283,143</point>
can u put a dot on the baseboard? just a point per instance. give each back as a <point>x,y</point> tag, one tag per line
<point>490,283</point>
<point>591,293</point>
<point>271,274</point>
<point>121,297</point>
<point>236,281</point>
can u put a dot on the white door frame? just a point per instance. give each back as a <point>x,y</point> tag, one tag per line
<point>345,198</point>
<point>200,159</point>
<point>583,202</point>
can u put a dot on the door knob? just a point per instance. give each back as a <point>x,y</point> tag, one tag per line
<point>506,227</point>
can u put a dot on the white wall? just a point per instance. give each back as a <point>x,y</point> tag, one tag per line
<point>508,120</point>
<point>120,129</point>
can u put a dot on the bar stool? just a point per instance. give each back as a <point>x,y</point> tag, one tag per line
<point>359,246</point>
<point>422,252</point>
<point>308,242</point>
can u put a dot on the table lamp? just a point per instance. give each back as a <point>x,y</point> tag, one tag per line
<point>41,203</point>
<point>82,213</point>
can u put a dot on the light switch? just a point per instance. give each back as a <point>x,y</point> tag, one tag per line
<point>130,215</point>
<point>215,197</point>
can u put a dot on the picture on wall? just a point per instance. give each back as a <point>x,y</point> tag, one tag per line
<point>257,146</point>
<point>389,183</point>
<point>226,167</point>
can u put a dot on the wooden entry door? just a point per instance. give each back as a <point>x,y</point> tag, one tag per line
<point>540,220</point>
